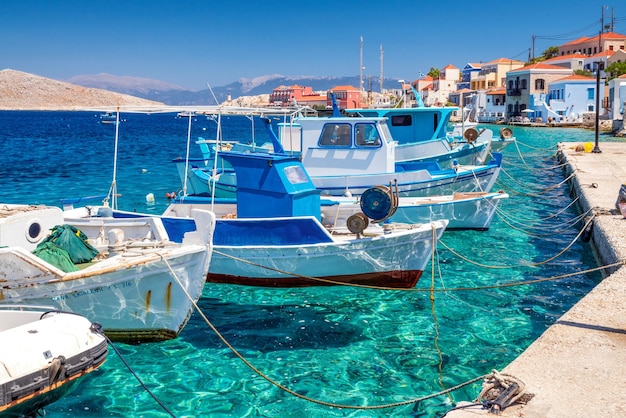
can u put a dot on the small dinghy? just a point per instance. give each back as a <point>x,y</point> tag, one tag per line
<point>43,355</point>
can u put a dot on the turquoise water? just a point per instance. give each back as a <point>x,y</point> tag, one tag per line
<point>335,345</point>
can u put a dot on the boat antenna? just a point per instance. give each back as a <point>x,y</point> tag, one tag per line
<point>212,94</point>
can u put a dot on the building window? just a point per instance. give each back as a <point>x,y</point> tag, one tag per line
<point>590,93</point>
<point>539,84</point>
<point>523,84</point>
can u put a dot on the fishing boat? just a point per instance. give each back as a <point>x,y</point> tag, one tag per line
<point>108,117</point>
<point>342,156</point>
<point>473,210</point>
<point>127,274</point>
<point>44,353</point>
<point>278,239</point>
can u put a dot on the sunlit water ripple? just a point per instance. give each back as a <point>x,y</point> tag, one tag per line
<point>336,345</point>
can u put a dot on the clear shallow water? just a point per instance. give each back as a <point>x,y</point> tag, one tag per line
<point>338,345</point>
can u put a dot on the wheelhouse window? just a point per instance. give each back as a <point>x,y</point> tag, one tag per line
<point>401,120</point>
<point>367,135</point>
<point>336,134</point>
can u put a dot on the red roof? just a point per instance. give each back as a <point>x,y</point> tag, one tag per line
<point>540,66</point>
<point>504,61</point>
<point>605,36</point>
<point>565,57</point>
<point>577,77</point>
<point>347,88</point>
<point>497,91</point>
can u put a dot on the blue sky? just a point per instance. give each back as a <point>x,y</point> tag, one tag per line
<point>192,42</point>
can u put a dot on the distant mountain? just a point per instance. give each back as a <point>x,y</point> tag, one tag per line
<point>173,95</point>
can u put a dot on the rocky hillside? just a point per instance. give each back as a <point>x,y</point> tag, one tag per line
<point>23,91</point>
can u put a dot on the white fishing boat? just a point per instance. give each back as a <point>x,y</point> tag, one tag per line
<point>44,353</point>
<point>343,156</point>
<point>127,274</point>
<point>472,210</point>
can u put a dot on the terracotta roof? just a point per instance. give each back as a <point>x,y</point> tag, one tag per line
<point>497,91</point>
<point>540,66</point>
<point>602,54</point>
<point>344,88</point>
<point>577,77</point>
<point>505,61</point>
<point>565,57</point>
<point>605,36</point>
<point>450,67</point>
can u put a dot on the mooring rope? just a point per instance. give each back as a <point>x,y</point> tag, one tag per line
<point>534,264</point>
<point>552,229</point>
<point>537,194</point>
<point>299,395</point>
<point>99,330</point>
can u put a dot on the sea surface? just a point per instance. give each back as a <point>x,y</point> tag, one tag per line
<point>318,351</point>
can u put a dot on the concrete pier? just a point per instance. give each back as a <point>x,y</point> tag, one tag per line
<point>577,368</point>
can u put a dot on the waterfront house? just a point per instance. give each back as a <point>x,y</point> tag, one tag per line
<point>492,74</point>
<point>608,41</point>
<point>442,86</point>
<point>526,85</point>
<point>492,105</point>
<point>567,99</point>
<point>573,61</point>
<point>347,97</point>
<point>289,95</point>
<point>617,98</point>
<point>466,75</point>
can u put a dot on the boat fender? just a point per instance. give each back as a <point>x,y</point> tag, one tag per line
<point>171,195</point>
<point>586,235</point>
<point>470,135</point>
<point>506,133</point>
<point>56,369</point>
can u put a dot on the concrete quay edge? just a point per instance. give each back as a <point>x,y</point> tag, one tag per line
<point>577,367</point>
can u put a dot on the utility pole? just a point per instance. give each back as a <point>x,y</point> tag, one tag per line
<point>361,66</point>
<point>382,54</point>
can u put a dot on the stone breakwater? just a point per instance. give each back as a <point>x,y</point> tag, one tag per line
<point>576,368</point>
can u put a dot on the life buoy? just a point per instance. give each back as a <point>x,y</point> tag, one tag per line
<point>470,135</point>
<point>506,133</point>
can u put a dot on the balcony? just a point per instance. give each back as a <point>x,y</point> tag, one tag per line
<point>514,92</point>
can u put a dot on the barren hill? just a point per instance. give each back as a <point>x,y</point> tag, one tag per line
<point>24,91</point>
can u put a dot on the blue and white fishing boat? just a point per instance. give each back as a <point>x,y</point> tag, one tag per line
<point>422,135</point>
<point>127,274</point>
<point>277,238</point>
<point>473,210</point>
<point>343,156</point>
